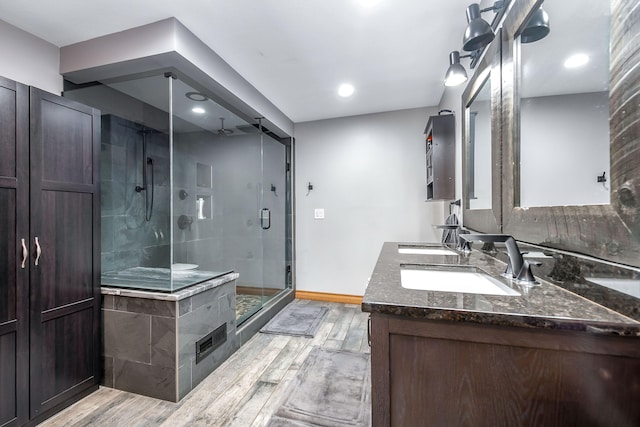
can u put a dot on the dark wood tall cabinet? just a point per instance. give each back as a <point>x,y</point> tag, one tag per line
<point>14,227</point>
<point>49,253</point>
<point>441,157</point>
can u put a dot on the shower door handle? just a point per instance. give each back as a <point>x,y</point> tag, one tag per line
<point>265,218</point>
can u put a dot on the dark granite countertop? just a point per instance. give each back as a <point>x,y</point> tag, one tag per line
<point>545,306</point>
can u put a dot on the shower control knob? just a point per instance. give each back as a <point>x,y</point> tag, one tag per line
<point>184,222</point>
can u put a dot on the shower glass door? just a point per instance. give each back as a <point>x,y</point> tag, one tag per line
<point>225,214</point>
<point>274,216</point>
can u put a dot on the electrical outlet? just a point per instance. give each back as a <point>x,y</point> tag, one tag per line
<point>318,213</point>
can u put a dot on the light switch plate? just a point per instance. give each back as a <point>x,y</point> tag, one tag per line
<point>318,213</point>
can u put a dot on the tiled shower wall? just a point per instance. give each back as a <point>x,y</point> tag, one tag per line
<point>128,240</point>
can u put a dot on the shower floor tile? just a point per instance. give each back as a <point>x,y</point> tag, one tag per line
<point>246,304</point>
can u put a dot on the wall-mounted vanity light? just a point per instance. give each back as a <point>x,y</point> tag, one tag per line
<point>537,27</point>
<point>478,33</point>
<point>456,74</point>
<point>477,36</point>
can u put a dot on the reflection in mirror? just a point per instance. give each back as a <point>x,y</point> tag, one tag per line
<point>564,108</point>
<point>479,148</point>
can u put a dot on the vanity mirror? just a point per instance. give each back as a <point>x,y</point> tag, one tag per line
<point>563,94</point>
<point>481,149</point>
<point>567,141</point>
<point>479,146</point>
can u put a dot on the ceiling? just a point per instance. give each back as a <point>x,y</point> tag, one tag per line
<point>295,52</point>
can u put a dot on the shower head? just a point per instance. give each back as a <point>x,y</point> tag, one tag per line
<point>222,131</point>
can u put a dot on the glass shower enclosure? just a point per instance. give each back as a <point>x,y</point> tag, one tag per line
<point>191,190</point>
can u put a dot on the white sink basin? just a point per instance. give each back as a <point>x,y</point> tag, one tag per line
<point>453,279</point>
<point>627,286</point>
<point>425,250</point>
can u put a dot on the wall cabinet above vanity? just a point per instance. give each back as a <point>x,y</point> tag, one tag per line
<point>440,157</point>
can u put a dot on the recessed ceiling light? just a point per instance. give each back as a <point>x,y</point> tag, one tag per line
<point>345,90</point>
<point>198,110</point>
<point>369,3</point>
<point>196,96</point>
<point>576,60</point>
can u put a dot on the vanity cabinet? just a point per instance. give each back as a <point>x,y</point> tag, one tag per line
<point>440,157</point>
<point>428,372</point>
<point>49,253</point>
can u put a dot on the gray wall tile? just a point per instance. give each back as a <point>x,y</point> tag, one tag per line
<point>148,380</point>
<point>107,372</point>
<point>127,336</point>
<point>163,341</point>
<point>145,306</point>
<point>184,380</point>
<point>184,306</point>
<point>107,302</point>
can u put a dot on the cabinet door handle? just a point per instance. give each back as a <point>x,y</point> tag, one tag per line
<point>38,251</point>
<point>25,254</point>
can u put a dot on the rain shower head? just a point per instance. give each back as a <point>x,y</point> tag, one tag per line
<point>248,129</point>
<point>222,131</point>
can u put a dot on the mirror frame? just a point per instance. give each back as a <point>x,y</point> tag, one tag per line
<point>484,220</point>
<point>610,232</point>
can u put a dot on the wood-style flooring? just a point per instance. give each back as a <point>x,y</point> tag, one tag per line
<point>244,391</point>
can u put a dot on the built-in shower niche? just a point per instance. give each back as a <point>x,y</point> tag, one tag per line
<point>203,175</point>
<point>204,208</point>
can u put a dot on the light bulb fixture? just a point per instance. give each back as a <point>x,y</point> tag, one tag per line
<point>345,90</point>
<point>456,74</point>
<point>537,27</point>
<point>196,96</point>
<point>478,33</point>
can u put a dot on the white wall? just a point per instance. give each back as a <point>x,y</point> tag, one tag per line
<point>368,173</point>
<point>28,59</point>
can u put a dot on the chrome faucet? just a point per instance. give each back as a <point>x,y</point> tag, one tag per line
<point>518,268</point>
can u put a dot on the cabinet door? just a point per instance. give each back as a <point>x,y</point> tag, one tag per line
<point>65,221</point>
<point>14,280</point>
